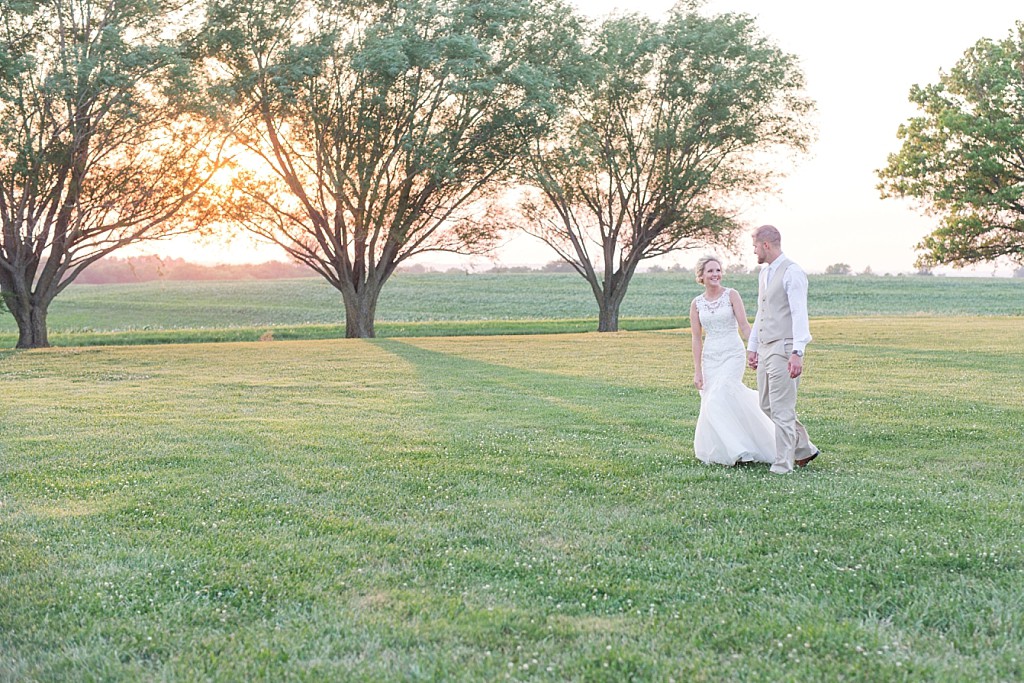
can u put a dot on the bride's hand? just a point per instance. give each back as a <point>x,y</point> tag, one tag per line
<point>698,381</point>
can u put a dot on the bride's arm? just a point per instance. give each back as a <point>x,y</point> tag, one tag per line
<point>741,314</point>
<point>698,346</point>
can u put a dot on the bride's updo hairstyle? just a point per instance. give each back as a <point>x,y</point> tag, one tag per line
<point>702,263</point>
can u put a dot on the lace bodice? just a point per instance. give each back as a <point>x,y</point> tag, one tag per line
<point>721,332</point>
<point>717,317</point>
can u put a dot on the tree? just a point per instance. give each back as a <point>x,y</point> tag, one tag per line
<point>673,125</point>
<point>381,124</point>
<point>961,159</point>
<point>838,269</point>
<point>96,148</point>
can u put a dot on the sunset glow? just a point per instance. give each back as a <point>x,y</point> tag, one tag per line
<point>828,207</point>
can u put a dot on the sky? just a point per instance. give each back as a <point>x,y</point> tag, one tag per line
<point>860,60</point>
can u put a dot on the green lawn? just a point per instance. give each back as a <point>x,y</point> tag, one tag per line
<point>483,508</point>
<point>447,305</point>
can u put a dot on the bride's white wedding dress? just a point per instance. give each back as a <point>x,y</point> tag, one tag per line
<point>731,427</point>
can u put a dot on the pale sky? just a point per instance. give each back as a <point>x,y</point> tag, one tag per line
<point>860,60</point>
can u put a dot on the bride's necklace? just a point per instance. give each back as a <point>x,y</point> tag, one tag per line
<point>717,302</point>
<point>721,293</point>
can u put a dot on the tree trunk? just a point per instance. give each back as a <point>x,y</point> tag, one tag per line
<point>609,301</point>
<point>360,311</point>
<point>32,332</point>
<point>608,318</point>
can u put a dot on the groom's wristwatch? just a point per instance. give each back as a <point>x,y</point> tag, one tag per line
<point>798,354</point>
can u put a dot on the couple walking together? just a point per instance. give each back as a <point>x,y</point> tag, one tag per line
<point>737,424</point>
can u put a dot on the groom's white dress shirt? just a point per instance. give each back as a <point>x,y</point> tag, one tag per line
<point>794,283</point>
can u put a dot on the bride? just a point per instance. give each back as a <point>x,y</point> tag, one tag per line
<point>731,427</point>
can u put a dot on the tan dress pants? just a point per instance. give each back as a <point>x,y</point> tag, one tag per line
<point>777,391</point>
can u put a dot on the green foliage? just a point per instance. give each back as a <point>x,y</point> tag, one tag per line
<point>960,159</point>
<point>659,142</point>
<point>839,269</point>
<point>471,509</point>
<point>381,126</point>
<point>99,144</point>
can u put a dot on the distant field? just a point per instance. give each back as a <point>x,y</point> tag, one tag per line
<point>524,508</point>
<point>660,299</point>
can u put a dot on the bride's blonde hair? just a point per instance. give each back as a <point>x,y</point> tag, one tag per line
<point>702,263</point>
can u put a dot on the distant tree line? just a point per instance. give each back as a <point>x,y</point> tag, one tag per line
<point>113,270</point>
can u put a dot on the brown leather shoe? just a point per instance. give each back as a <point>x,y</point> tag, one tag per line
<point>803,461</point>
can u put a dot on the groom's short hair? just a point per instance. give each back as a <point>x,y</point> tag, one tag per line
<point>768,233</point>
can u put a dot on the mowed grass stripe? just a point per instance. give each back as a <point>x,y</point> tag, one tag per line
<point>471,508</point>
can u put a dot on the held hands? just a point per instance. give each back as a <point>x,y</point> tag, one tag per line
<point>752,360</point>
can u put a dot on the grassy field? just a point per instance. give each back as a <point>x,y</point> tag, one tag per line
<point>436,304</point>
<point>523,508</point>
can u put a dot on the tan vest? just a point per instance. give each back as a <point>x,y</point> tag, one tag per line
<point>774,319</point>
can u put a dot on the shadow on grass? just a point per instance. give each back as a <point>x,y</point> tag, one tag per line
<point>552,414</point>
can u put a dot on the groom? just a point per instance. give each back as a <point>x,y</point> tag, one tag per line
<point>776,347</point>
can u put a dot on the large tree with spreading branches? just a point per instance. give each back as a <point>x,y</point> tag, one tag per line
<point>98,145</point>
<point>375,128</point>
<point>676,122</point>
<point>962,158</point>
